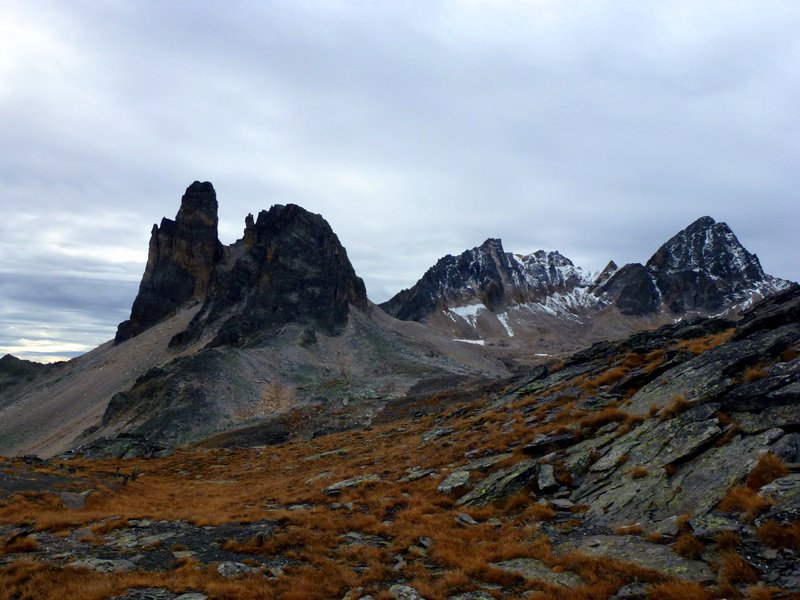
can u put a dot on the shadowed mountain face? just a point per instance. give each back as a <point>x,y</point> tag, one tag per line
<point>489,275</point>
<point>181,261</point>
<point>289,268</point>
<point>703,270</point>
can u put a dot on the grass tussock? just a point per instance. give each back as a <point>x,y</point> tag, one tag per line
<point>606,378</point>
<point>769,468</point>
<point>635,529</point>
<point>679,590</point>
<point>754,373</point>
<point>777,535</point>
<point>734,569</point>
<point>678,405</point>
<point>19,545</point>
<point>638,472</point>
<point>704,344</point>
<point>688,546</point>
<point>727,540</point>
<point>745,500</point>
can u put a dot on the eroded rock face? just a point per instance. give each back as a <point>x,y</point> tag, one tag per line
<point>293,269</point>
<point>180,264</point>
<point>702,268</point>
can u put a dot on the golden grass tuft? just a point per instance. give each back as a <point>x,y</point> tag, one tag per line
<point>679,590</point>
<point>678,405</point>
<point>734,569</point>
<point>745,500</point>
<point>19,544</point>
<point>754,373</point>
<point>777,535</point>
<point>688,546</point>
<point>727,540</point>
<point>703,344</point>
<point>635,529</point>
<point>638,472</point>
<point>769,468</point>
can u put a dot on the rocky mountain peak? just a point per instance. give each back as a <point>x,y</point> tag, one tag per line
<point>703,268</point>
<point>181,260</point>
<point>199,205</point>
<point>288,267</point>
<point>293,270</point>
<point>710,247</point>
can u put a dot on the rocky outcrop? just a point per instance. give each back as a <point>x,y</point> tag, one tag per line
<point>290,268</point>
<point>181,261</point>
<point>487,275</point>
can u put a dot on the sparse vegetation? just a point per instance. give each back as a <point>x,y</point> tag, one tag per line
<point>678,405</point>
<point>769,468</point>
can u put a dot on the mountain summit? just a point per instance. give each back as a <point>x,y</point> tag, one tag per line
<point>543,301</point>
<point>703,269</point>
<point>288,267</point>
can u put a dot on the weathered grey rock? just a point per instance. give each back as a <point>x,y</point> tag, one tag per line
<point>404,592</point>
<point>485,463</point>
<point>339,486</point>
<point>544,443</point>
<point>642,553</point>
<point>547,478</point>
<point>773,416</point>
<point>531,568</point>
<point>230,569</point>
<point>73,500</point>
<point>148,594</point>
<point>192,596</point>
<point>562,503</point>
<point>707,527</point>
<point>631,591</point>
<point>785,492</point>
<point>500,484</point>
<point>454,482</point>
<point>788,448</point>
<point>472,596</point>
<point>104,565</point>
<point>415,473</point>
<point>465,519</point>
<point>617,499</point>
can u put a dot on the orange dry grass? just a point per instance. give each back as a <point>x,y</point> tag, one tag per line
<point>679,590</point>
<point>743,499</point>
<point>678,405</point>
<point>727,540</point>
<point>688,546</point>
<point>733,569</point>
<point>629,530</point>
<point>777,535</point>
<point>638,472</point>
<point>769,468</point>
<point>605,378</point>
<point>703,344</point>
<point>17,545</point>
<point>754,373</point>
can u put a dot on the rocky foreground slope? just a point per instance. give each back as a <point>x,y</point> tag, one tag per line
<point>662,466</point>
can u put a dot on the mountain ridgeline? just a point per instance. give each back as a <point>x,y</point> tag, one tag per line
<point>289,267</point>
<point>703,270</point>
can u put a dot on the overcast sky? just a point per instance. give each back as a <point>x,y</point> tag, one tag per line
<point>417,129</point>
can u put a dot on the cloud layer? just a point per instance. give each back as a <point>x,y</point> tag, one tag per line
<point>416,128</point>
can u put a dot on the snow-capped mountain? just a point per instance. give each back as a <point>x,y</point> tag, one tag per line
<point>488,295</point>
<point>702,269</point>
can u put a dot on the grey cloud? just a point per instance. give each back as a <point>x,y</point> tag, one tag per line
<point>417,129</point>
